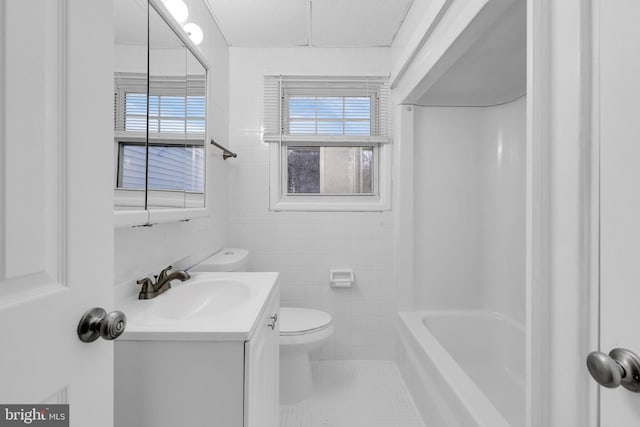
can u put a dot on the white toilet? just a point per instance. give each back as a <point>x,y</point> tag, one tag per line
<point>301,330</point>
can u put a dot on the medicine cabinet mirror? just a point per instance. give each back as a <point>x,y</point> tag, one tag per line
<point>160,100</point>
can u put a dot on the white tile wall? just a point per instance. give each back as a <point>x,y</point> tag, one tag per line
<point>303,246</point>
<point>144,250</point>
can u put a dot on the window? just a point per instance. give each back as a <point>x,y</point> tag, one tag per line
<point>329,170</point>
<point>329,140</point>
<point>176,130</point>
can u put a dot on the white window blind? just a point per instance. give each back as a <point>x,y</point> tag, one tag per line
<point>326,109</point>
<point>176,105</point>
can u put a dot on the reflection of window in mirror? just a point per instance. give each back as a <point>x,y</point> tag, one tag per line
<point>176,132</point>
<point>160,112</point>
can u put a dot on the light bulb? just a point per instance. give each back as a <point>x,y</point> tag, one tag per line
<point>195,32</point>
<point>178,9</point>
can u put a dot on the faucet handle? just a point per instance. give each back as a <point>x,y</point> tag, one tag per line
<point>146,282</point>
<point>163,274</point>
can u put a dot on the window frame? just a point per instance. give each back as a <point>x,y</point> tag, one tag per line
<point>121,143</point>
<point>285,167</point>
<point>280,200</point>
<point>279,197</point>
<point>158,198</point>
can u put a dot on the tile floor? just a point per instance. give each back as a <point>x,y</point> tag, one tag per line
<point>354,393</point>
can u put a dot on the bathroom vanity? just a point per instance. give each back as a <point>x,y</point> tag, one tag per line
<point>203,354</point>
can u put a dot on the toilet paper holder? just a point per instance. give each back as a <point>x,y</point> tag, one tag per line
<point>341,277</point>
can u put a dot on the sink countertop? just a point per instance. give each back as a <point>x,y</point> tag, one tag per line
<point>217,307</point>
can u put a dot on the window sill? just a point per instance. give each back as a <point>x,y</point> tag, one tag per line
<point>331,204</point>
<point>130,218</point>
<point>139,218</point>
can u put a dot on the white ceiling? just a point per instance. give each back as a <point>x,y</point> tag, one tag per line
<point>130,26</point>
<point>130,22</point>
<point>493,70</point>
<point>319,23</point>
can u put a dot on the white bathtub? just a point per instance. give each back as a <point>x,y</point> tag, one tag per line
<point>464,368</point>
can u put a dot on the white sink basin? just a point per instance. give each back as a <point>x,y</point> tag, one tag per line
<point>207,307</point>
<point>200,299</point>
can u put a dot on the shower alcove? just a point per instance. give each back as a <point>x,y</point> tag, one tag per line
<point>462,201</point>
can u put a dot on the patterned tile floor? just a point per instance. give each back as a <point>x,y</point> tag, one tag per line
<point>354,393</point>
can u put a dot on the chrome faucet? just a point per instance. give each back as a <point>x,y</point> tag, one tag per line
<point>163,283</point>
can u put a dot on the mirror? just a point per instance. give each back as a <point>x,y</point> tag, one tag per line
<point>160,106</point>
<point>196,126</point>
<point>130,103</point>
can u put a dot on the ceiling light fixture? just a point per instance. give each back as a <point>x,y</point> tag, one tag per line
<point>195,32</point>
<point>178,9</point>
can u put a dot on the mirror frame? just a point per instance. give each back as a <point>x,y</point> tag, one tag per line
<point>146,217</point>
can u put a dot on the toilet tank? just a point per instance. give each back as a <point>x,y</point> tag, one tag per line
<point>227,259</point>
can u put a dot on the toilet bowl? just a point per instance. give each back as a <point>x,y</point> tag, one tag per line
<point>302,330</point>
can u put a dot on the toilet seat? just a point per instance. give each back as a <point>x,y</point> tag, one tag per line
<point>302,321</point>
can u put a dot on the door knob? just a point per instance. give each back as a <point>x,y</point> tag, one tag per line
<point>619,367</point>
<point>96,323</point>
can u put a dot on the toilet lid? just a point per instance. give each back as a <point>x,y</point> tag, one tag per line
<point>297,321</point>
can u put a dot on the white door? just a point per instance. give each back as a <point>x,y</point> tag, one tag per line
<point>56,234</point>
<point>617,37</point>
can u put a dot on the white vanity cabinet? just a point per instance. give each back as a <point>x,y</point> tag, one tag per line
<point>209,377</point>
<point>262,363</point>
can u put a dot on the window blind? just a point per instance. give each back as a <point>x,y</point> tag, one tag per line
<point>176,104</point>
<point>326,109</point>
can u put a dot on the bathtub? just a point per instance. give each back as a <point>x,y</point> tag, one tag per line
<point>464,368</point>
